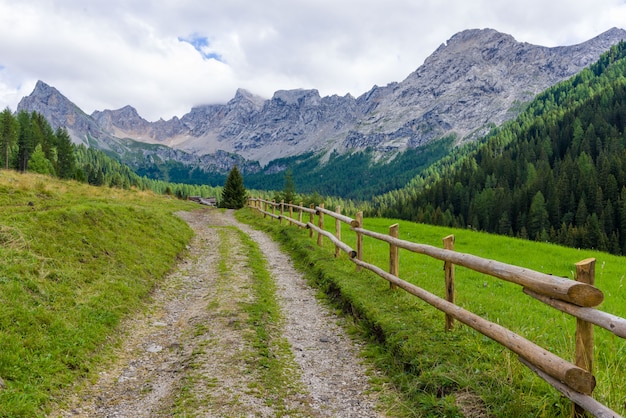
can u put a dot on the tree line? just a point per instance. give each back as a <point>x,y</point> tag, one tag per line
<point>557,173</point>
<point>29,144</point>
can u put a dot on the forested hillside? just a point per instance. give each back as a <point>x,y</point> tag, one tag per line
<point>28,143</point>
<point>557,173</point>
<point>357,176</point>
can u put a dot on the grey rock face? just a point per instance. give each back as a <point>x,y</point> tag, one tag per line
<point>61,112</point>
<point>478,78</point>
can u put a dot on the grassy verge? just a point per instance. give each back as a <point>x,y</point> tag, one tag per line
<point>75,259</point>
<point>436,369</point>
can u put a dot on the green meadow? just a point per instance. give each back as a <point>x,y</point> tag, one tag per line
<point>74,260</point>
<point>433,368</point>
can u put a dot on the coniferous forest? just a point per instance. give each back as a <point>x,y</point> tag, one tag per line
<point>557,173</point>
<point>28,143</point>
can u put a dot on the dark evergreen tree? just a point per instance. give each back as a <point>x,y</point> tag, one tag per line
<point>66,160</point>
<point>234,195</point>
<point>289,190</point>
<point>25,141</point>
<point>9,131</point>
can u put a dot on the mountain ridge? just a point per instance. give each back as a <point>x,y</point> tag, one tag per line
<point>478,79</point>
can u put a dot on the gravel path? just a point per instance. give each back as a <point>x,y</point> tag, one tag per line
<point>190,347</point>
<point>327,357</point>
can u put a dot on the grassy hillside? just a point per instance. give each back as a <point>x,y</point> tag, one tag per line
<point>434,368</point>
<point>74,260</point>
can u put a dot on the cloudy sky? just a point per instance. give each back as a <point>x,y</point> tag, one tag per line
<point>165,56</point>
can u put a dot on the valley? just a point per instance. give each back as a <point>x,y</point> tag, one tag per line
<point>119,294</point>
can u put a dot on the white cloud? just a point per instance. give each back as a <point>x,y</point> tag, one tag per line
<point>147,54</point>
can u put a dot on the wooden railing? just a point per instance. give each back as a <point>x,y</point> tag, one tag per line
<point>574,297</point>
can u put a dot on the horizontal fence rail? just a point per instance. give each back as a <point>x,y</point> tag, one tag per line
<point>568,290</point>
<point>574,297</point>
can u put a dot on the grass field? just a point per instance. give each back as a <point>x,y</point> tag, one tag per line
<point>434,368</point>
<point>74,260</point>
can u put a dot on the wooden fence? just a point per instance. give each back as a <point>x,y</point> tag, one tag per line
<point>574,297</point>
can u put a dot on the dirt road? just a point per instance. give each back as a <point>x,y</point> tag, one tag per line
<point>191,353</point>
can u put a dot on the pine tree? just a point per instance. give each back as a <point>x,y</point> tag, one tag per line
<point>66,163</point>
<point>234,194</point>
<point>25,141</point>
<point>9,130</point>
<point>38,163</point>
<point>289,191</point>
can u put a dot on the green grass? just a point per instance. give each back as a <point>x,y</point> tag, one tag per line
<point>273,358</point>
<point>74,260</point>
<point>430,366</point>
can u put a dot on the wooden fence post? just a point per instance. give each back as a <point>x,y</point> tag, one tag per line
<point>264,205</point>
<point>311,219</point>
<point>394,262</point>
<point>448,267</point>
<point>585,273</point>
<point>282,210</point>
<point>290,211</point>
<point>359,239</point>
<point>273,206</point>
<point>320,224</point>
<point>300,213</point>
<point>337,232</point>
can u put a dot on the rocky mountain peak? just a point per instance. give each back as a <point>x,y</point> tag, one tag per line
<point>127,112</point>
<point>60,112</point>
<point>297,97</point>
<point>44,99</point>
<point>607,38</point>
<point>483,39</point>
<point>476,79</point>
<point>121,120</point>
<point>244,96</point>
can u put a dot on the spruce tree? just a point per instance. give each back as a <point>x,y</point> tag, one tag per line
<point>9,131</point>
<point>25,141</point>
<point>234,194</point>
<point>66,163</point>
<point>289,191</point>
<point>38,163</point>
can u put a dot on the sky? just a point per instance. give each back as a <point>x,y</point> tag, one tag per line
<point>165,56</point>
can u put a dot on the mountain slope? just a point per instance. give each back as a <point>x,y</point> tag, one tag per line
<point>556,173</point>
<point>478,79</point>
<point>106,131</point>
